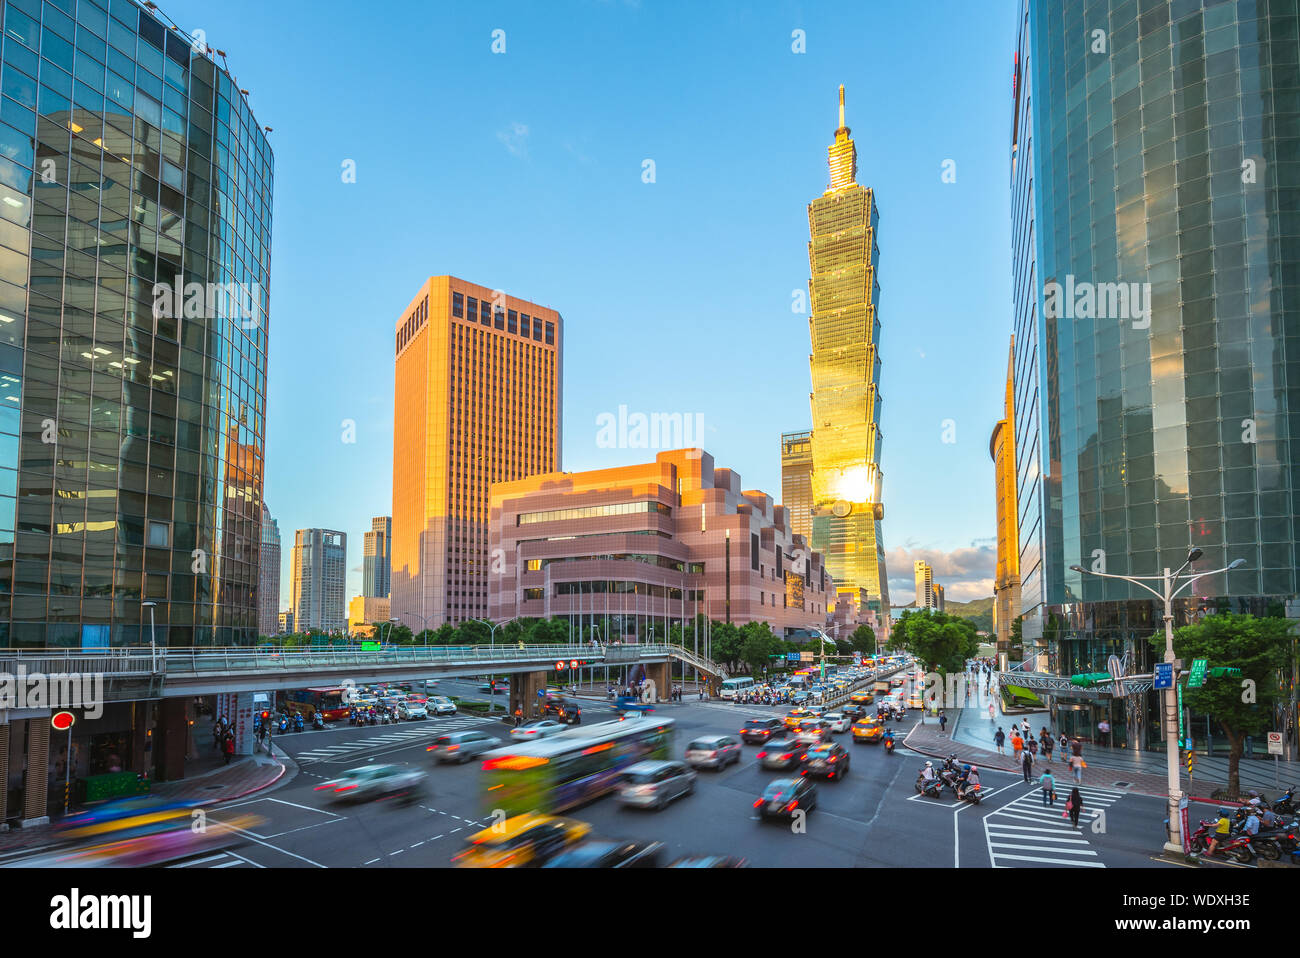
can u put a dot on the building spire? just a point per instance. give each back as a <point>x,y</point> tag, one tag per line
<point>843,154</point>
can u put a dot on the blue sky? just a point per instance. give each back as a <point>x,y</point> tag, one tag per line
<point>523,171</point>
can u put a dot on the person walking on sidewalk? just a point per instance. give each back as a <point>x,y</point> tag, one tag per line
<point>1017,743</point>
<point>990,709</point>
<point>1026,763</point>
<point>943,722</point>
<point>1000,739</point>
<point>1064,742</point>
<point>229,748</point>
<point>1074,806</point>
<point>1076,759</point>
<point>1047,747</point>
<point>1048,785</point>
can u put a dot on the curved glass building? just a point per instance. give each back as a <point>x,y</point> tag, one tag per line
<point>135,233</point>
<point>1156,230</point>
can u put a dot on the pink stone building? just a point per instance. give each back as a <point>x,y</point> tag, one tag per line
<point>631,551</point>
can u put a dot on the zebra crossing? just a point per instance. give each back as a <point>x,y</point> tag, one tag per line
<point>1025,834</point>
<point>398,736</point>
<point>218,860</point>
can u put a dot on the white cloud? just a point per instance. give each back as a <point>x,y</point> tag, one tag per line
<point>966,574</point>
<point>515,139</point>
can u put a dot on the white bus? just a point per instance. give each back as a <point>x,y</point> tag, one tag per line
<point>730,687</point>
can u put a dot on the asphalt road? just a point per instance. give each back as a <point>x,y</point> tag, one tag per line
<point>872,818</point>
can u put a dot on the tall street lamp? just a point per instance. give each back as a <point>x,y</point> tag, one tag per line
<point>1169,589</point>
<point>492,638</point>
<point>153,645</point>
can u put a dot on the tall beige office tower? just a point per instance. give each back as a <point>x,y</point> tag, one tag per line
<point>796,480</point>
<point>477,399</point>
<point>924,584</point>
<point>319,573</point>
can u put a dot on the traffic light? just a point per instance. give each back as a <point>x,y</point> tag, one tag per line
<point>1224,672</point>
<point>1086,680</point>
<point>265,715</point>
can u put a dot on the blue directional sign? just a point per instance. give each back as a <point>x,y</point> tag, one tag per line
<point>792,656</point>
<point>1164,676</point>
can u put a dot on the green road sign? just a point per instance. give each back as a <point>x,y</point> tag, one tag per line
<point>1087,680</point>
<point>370,646</point>
<point>1196,678</point>
<point>1224,672</point>
<point>1181,740</point>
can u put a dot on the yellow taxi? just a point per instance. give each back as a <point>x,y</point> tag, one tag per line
<point>795,716</point>
<point>862,698</point>
<point>868,730</point>
<point>527,839</point>
<point>914,700</point>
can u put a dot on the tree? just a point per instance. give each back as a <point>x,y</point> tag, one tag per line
<point>863,640</point>
<point>474,632</point>
<point>725,644</point>
<point>446,634</point>
<point>941,642</point>
<point>1244,706</point>
<point>757,645</point>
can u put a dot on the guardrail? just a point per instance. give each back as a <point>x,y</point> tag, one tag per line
<point>111,663</point>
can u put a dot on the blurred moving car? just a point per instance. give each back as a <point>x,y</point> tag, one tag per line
<point>783,797</point>
<point>781,754</point>
<point>531,731</point>
<point>564,710</point>
<point>855,712</point>
<point>500,685</point>
<point>654,784</point>
<point>527,839</point>
<point>862,698</point>
<point>606,854</point>
<point>838,721</point>
<point>811,731</point>
<point>412,710</point>
<point>370,782</point>
<point>758,731</point>
<point>829,759</point>
<point>462,746</point>
<point>440,705</point>
<point>713,751</point>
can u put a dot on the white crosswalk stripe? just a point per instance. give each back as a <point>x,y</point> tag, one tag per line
<point>395,737</point>
<point>1025,834</point>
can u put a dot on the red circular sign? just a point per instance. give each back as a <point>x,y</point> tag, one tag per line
<point>62,721</point>
<point>559,666</point>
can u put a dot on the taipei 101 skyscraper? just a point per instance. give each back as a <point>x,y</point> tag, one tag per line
<point>845,365</point>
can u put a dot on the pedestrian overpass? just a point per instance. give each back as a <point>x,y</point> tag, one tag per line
<point>137,673</point>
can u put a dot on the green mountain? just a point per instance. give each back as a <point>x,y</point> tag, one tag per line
<point>979,611</point>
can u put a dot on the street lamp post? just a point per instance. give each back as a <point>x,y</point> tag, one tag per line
<point>1169,589</point>
<point>492,639</point>
<point>153,645</point>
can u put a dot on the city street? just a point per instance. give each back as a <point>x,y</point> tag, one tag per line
<point>873,817</point>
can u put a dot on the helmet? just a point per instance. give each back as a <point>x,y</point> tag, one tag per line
<point>1223,813</point>
<point>929,764</point>
<point>965,768</point>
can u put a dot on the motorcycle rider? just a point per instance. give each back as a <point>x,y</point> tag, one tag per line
<point>889,740</point>
<point>927,774</point>
<point>970,776</point>
<point>1221,829</point>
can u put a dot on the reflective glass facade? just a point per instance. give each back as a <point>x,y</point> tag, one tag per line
<point>1155,143</point>
<point>845,366</point>
<point>131,436</point>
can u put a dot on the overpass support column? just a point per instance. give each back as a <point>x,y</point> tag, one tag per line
<point>660,673</point>
<point>171,740</point>
<point>523,693</point>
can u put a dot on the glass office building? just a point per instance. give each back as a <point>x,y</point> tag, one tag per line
<point>131,424</point>
<point>1156,225</point>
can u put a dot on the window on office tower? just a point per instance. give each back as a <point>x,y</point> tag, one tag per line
<point>458,304</point>
<point>512,321</point>
<point>484,313</point>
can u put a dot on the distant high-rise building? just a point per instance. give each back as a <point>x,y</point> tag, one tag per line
<point>937,591</point>
<point>796,480</point>
<point>286,621</point>
<point>375,574</point>
<point>367,612</point>
<point>845,366</point>
<point>476,400</point>
<point>320,580</point>
<point>1006,584</point>
<point>924,576</point>
<point>268,576</point>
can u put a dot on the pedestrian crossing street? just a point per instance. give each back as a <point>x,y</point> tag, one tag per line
<point>398,736</point>
<point>1025,834</point>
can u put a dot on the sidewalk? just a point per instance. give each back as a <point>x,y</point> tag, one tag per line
<point>929,741</point>
<point>241,777</point>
